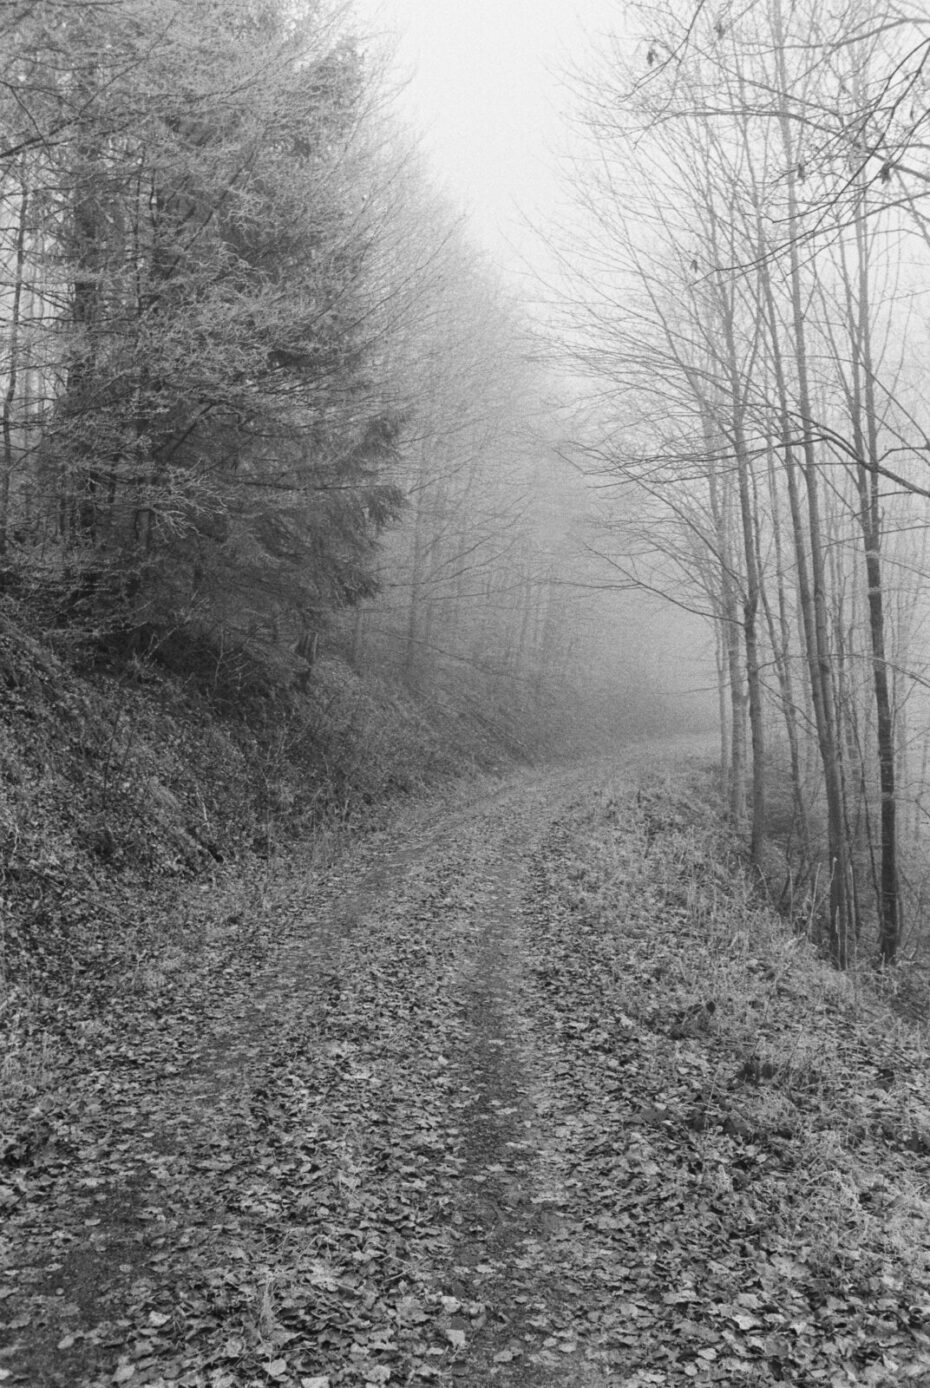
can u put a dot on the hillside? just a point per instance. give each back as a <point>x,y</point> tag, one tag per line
<point>129,784</point>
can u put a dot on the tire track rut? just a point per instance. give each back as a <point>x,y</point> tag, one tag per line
<point>346,1181</point>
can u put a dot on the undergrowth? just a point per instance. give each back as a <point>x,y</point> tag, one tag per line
<point>788,1095</point>
<point>132,779</point>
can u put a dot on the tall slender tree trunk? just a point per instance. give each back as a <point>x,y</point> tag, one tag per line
<point>412,639</point>
<point>780,638</point>
<point>750,608</point>
<point>723,709</point>
<point>841,927</point>
<point>870,521</point>
<point>734,756</point>
<point>9,396</point>
<point>736,375</point>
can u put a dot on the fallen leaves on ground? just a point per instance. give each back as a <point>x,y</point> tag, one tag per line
<point>532,1093</point>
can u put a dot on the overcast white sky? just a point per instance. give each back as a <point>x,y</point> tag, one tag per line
<point>485,93</point>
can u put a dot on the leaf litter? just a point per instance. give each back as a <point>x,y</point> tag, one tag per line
<point>532,1092</point>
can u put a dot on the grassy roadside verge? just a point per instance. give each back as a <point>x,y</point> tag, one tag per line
<point>742,1149</point>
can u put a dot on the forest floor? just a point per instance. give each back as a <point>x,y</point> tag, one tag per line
<point>528,1090</point>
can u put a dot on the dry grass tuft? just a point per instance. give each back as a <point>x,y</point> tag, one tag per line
<point>815,1064</point>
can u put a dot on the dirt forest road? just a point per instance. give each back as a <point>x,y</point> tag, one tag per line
<point>340,1146</point>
